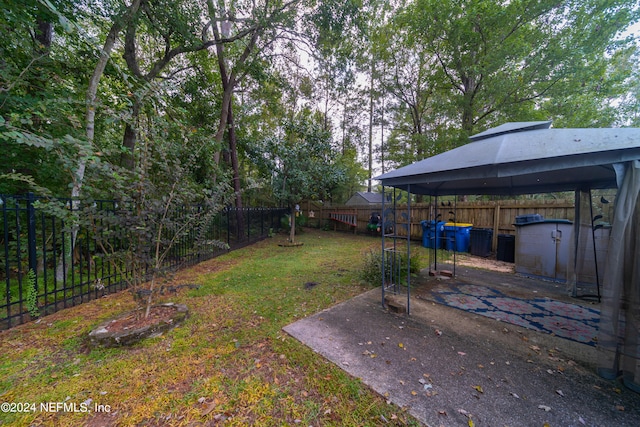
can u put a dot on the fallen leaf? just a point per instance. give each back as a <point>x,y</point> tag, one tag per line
<point>413,393</point>
<point>470,422</point>
<point>210,407</point>
<point>478,388</point>
<point>400,345</point>
<point>534,348</point>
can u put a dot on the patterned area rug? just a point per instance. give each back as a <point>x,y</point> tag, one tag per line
<point>565,320</point>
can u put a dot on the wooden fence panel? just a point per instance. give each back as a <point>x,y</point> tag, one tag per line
<point>500,216</point>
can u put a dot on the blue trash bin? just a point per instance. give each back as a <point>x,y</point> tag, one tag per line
<point>457,236</point>
<point>432,233</point>
<point>426,233</point>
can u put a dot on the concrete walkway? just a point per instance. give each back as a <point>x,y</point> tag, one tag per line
<point>448,367</point>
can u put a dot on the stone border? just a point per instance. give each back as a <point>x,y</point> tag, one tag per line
<point>102,337</point>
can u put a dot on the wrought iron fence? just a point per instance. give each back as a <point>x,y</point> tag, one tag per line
<point>45,270</point>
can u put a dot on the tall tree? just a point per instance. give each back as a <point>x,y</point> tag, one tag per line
<point>155,39</point>
<point>498,60</point>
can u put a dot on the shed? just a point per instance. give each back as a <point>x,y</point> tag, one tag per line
<point>532,157</point>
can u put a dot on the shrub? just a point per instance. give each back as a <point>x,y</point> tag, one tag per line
<point>372,266</point>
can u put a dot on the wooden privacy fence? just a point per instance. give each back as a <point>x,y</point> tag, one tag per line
<point>499,216</point>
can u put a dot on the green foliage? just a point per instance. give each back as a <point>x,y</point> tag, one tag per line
<point>300,161</point>
<point>372,266</point>
<point>31,298</point>
<point>457,68</point>
<point>438,72</point>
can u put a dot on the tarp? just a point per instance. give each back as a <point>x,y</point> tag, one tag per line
<point>531,157</point>
<point>619,331</point>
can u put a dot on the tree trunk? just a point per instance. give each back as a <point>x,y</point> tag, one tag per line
<point>90,115</point>
<point>371,97</point>
<point>130,138</point>
<point>292,233</point>
<point>233,152</point>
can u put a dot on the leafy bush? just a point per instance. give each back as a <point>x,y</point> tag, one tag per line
<point>372,266</point>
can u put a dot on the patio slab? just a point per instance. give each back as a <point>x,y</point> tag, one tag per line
<point>447,366</point>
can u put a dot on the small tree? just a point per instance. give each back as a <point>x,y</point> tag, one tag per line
<point>158,209</point>
<point>301,163</point>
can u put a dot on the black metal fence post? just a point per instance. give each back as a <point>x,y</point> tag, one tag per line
<point>31,234</point>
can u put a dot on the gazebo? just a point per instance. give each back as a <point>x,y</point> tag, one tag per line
<point>532,157</point>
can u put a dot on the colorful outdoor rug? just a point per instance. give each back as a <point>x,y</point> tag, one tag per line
<point>565,320</point>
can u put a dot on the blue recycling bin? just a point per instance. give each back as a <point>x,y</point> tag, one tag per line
<point>432,233</point>
<point>457,236</point>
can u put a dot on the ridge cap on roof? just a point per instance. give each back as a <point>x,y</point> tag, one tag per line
<point>510,127</point>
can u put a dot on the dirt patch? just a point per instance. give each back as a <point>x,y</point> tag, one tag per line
<point>137,319</point>
<point>468,260</point>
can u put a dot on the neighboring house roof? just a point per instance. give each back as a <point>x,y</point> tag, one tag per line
<point>521,158</point>
<point>363,198</point>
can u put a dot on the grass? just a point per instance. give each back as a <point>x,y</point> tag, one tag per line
<point>229,363</point>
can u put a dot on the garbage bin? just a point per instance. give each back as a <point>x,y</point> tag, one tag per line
<point>431,233</point>
<point>481,241</point>
<point>457,236</point>
<point>506,248</point>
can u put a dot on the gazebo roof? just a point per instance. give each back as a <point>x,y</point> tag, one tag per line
<point>521,158</point>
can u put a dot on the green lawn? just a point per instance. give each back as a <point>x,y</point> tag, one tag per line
<point>229,363</point>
